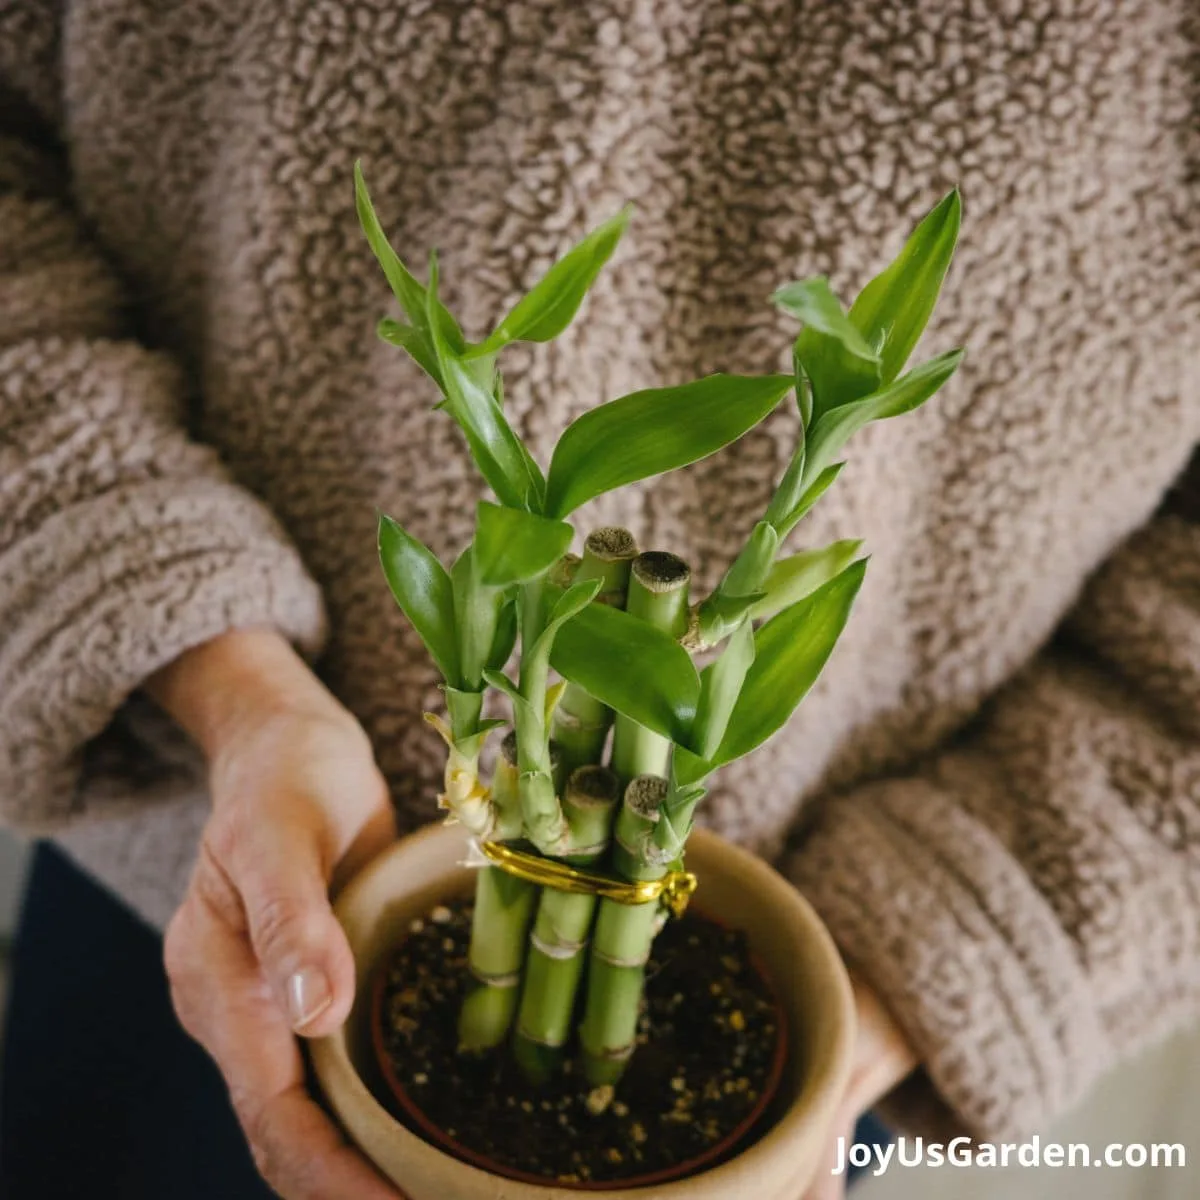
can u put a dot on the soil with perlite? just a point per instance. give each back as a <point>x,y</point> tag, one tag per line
<point>706,1043</point>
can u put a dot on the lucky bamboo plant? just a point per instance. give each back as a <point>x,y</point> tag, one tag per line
<point>583,823</point>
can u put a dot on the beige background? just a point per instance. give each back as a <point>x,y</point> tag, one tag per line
<point>1154,1100</point>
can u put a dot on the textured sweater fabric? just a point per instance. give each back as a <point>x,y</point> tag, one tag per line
<point>993,794</point>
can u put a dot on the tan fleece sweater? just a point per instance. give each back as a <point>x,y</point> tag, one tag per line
<point>994,791</point>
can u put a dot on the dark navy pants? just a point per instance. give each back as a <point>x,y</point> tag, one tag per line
<point>102,1094</point>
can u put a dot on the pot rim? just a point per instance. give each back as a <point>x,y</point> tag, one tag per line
<point>676,1173</point>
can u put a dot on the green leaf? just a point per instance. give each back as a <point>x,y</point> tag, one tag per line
<point>423,590</point>
<point>554,300</point>
<point>811,495</point>
<point>751,566</point>
<point>790,651</point>
<point>892,310</point>
<point>502,683</point>
<point>570,603</point>
<point>789,489</point>
<point>407,289</point>
<point>720,684</point>
<point>651,432</point>
<point>403,283</point>
<point>415,342</point>
<point>722,611</point>
<point>477,608</point>
<point>719,615</point>
<point>832,430</point>
<point>514,546</point>
<point>526,717</point>
<point>687,769</point>
<point>674,825</point>
<point>632,667</point>
<point>535,660</point>
<point>499,454</point>
<point>793,578</point>
<point>812,301</point>
<point>506,633</point>
<point>804,402</point>
<point>830,350</point>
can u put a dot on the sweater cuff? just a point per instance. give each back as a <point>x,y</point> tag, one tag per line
<point>102,595</point>
<point>931,911</point>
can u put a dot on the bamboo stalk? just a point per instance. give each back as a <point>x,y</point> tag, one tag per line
<point>622,938</point>
<point>623,934</point>
<point>581,722</point>
<point>555,958</point>
<point>500,924</point>
<point>658,593</point>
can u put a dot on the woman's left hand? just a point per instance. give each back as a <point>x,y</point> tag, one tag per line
<point>882,1059</point>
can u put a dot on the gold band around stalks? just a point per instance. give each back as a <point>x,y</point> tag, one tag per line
<point>674,889</point>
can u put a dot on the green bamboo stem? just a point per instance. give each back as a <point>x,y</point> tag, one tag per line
<point>499,926</point>
<point>581,722</point>
<point>623,934</point>
<point>556,946</point>
<point>658,593</point>
<point>541,810</point>
<point>622,937</point>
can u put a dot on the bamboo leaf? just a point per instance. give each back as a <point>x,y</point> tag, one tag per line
<point>423,590</point>
<point>793,578</point>
<point>790,651</point>
<point>477,609</point>
<point>632,667</point>
<point>407,289</point>
<point>687,769</point>
<point>812,301</point>
<point>499,454</point>
<point>403,283</point>
<point>892,310</point>
<point>832,430</point>
<point>720,684</point>
<point>554,694</point>
<point>506,633</point>
<point>830,350</point>
<point>790,488</point>
<point>566,604</point>
<point>526,717</point>
<point>752,565</point>
<point>415,342</point>
<point>719,615</point>
<point>513,546</point>
<point>651,432</point>
<point>552,303</point>
<point>570,603</point>
<point>811,495</point>
<point>502,683</point>
<point>725,608</point>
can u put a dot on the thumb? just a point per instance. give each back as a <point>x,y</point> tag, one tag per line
<point>283,879</point>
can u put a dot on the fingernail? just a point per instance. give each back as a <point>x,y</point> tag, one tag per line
<point>308,996</point>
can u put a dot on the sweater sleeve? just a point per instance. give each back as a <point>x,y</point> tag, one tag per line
<point>1027,902</point>
<point>122,541</point>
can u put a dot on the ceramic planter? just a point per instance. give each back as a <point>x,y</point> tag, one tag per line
<point>796,952</point>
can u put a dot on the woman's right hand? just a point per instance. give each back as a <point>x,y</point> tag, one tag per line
<point>255,955</point>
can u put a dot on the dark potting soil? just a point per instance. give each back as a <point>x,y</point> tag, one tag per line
<point>706,1043</point>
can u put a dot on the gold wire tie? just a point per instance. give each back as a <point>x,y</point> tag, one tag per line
<point>673,890</point>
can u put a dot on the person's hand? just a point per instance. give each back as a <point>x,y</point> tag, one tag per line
<point>255,955</point>
<point>882,1059</point>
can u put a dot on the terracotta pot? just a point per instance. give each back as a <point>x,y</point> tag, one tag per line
<point>798,955</point>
